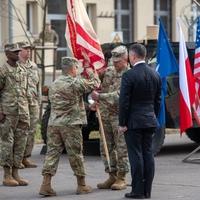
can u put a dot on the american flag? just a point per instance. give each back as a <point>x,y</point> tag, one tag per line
<point>196,106</point>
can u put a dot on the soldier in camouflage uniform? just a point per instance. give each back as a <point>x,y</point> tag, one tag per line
<point>14,116</point>
<point>64,127</point>
<point>34,92</point>
<point>49,35</point>
<point>108,104</point>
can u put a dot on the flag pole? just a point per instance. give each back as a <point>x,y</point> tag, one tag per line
<point>103,137</point>
<point>196,116</point>
<point>196,3</point>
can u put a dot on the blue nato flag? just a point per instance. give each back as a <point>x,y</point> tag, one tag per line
<point>166,65</point>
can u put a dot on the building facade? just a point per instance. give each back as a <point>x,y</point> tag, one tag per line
<point>19,20</point>
<point>128,19</point>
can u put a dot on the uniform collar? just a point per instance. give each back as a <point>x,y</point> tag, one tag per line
<point>12,69</point>
<point>123,70</point>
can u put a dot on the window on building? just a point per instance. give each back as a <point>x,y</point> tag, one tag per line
<point>57,17</point>
<point>58,6</point>
<point>31,13</point>
<point>123,18</point>
<point>124,4</point>
<point>92,13</point>
<point>162,10</point>
<point>59,26</point>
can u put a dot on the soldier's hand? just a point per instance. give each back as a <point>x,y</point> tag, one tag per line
<point>122,129</point>
<point>2,117</point>
<point>93,106</point>
<point>95,95</point>
<point>89,70</point>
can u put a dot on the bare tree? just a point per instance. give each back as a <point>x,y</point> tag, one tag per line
<point>189,15</point>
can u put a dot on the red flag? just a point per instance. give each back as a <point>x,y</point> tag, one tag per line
<point>81,37</point>
<point>197,74</point>
<point>186,83</point>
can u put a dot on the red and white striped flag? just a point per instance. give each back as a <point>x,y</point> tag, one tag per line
<point>81,37</point>
<point>186,83</point>
<point>197,74</point>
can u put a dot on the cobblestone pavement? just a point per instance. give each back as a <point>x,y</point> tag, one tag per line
<point>174,179</point>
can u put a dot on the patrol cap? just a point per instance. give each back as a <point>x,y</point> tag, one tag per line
<point>118,52</point>
<point>12,47</point>
<point>69,61</point>
<point>24,44</point>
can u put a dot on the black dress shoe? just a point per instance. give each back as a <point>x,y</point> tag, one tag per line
<point>134,196</point>
<point>147,196</point>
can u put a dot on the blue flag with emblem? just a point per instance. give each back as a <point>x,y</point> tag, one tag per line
<point>166,65</point>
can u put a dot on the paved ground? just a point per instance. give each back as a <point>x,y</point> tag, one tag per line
<point>174,179</point>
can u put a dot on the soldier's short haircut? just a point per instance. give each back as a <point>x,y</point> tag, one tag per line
<point>68,62</point>
<point>139,50</point>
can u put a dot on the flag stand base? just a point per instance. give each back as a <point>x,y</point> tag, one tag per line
<point>187,159</point>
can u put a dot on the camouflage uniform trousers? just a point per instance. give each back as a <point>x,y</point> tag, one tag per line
<point>116,146</point>
<point>13,134</point>
<point>70,138</point>
<point>34,117</point>
<point>0,143</point>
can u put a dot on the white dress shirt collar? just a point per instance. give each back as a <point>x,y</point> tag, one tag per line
<point>141,61</point>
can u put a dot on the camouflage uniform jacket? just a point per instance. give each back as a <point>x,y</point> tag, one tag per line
<point>34,89</point>
<point>65,94</point>
<point>109,96</point>
<point>13,90</point>
<point>50,36</point>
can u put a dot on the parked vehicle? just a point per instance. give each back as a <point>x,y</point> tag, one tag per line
<point>172,101</point>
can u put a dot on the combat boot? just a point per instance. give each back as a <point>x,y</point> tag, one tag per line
<point>21,166</point>
<point>8,179</point>
<point>21,181</point>
<point>120,183</point>
<point>28,163</point>
<point>46,188</point>
<point>108,183</point>
<point>82,187</point>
